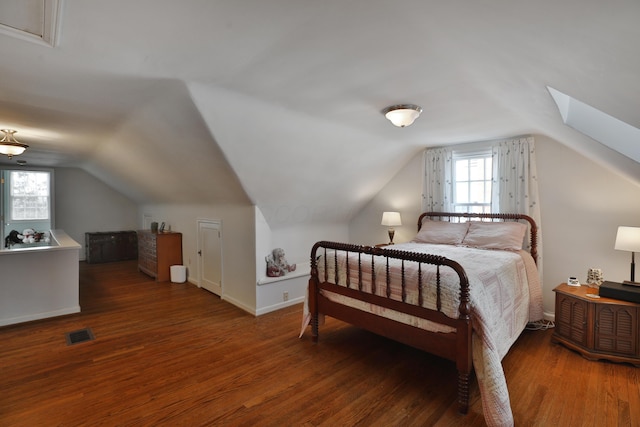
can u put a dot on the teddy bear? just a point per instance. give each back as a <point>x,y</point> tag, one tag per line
<point>277,264</point>
<point>28,235</point>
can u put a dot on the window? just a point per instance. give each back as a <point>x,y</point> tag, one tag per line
<point>472,176</point>
<point>29,196</point>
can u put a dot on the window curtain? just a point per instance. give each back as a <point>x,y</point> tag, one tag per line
<point>515,182</point>
<point>437,186</point>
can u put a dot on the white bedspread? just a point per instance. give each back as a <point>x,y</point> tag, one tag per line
<point>505,294</point>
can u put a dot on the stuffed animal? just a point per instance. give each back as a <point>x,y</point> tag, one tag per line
<point>277,264</point>
<point>28,236</point>
<point>12,238</point>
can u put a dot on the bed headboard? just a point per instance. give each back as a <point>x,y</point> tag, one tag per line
<point>489,217</point>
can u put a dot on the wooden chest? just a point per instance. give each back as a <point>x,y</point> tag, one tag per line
<point>110,246</point>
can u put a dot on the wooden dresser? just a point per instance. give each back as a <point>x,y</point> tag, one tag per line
<point>157,252</point>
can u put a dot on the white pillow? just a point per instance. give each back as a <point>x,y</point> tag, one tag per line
<point>495,235</point>
<point>441,232</point>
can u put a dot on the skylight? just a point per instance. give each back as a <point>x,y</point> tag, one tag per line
<point>607,130</point>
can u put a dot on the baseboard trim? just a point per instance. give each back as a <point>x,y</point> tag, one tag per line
<point>279,306</point>
<point>39,316</point>
<point>239,304</point>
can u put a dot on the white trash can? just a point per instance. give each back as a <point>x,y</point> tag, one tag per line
<point>178,273</point>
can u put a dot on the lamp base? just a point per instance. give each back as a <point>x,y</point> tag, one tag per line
<point>392,232</point>
<point>628,283</point>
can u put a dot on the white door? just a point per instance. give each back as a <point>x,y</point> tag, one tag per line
<point>210,256</point>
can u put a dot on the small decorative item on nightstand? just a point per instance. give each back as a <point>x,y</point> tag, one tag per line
<point>595,277</point>
<point>573,281</point>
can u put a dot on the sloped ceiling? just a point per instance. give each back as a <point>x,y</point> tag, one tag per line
<point>277,103</point>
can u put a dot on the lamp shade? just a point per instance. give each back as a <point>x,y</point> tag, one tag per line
<point>391,219</point>
<point>8,144</point>
<point>402,115</point>
<point>10,149</point>
<point>628,239</point>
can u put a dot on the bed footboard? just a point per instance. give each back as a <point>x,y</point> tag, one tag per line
<point>455,346</point>
<point>334,295</point>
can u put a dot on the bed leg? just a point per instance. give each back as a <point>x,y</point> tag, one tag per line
<point>313,300</point>
<point>314,328</point>
<point>463,392</point>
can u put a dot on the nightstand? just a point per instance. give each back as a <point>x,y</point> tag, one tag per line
<point>382,245</point>
<point>597,327</point>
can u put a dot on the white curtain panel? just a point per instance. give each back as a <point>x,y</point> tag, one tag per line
<point>437,187</point>
<point>515,182</point>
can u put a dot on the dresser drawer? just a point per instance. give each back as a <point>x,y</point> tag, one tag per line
<point>157,252</point>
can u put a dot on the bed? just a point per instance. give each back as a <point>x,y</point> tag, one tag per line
<point>463,289</point>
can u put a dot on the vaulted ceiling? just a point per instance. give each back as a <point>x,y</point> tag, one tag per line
<point>278,103</point>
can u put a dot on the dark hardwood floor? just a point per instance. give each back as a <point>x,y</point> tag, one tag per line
<point>174,354</point>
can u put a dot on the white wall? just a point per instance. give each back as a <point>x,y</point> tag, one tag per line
<point>39,282</point>
<point>402,194</point>
<point>85,204</point>
<point>238,244</point>
<point>297,241</point>
<point>264,243</point>
<point>581,203</point>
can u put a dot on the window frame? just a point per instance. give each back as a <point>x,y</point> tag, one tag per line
<point>470,206</point>
<point>12,198</point>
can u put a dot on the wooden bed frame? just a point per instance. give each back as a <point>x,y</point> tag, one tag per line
<point>455,346</point>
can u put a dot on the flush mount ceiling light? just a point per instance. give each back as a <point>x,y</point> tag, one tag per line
<point>8,144</point>
<point>402,115</point>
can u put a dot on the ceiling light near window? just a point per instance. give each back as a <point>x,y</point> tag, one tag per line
<point>402,115</point>
<point>8,144</point>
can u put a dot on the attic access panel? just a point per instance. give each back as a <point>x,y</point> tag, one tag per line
<point>32,20</point>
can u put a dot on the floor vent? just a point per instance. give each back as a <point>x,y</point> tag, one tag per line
<point>79,336</point>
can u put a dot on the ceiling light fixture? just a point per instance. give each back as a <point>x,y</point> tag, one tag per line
<point>9,146</point>
<point>402,115</point>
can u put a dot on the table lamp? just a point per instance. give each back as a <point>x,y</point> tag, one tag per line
<point>391,219</point>
<point>628,239</point>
